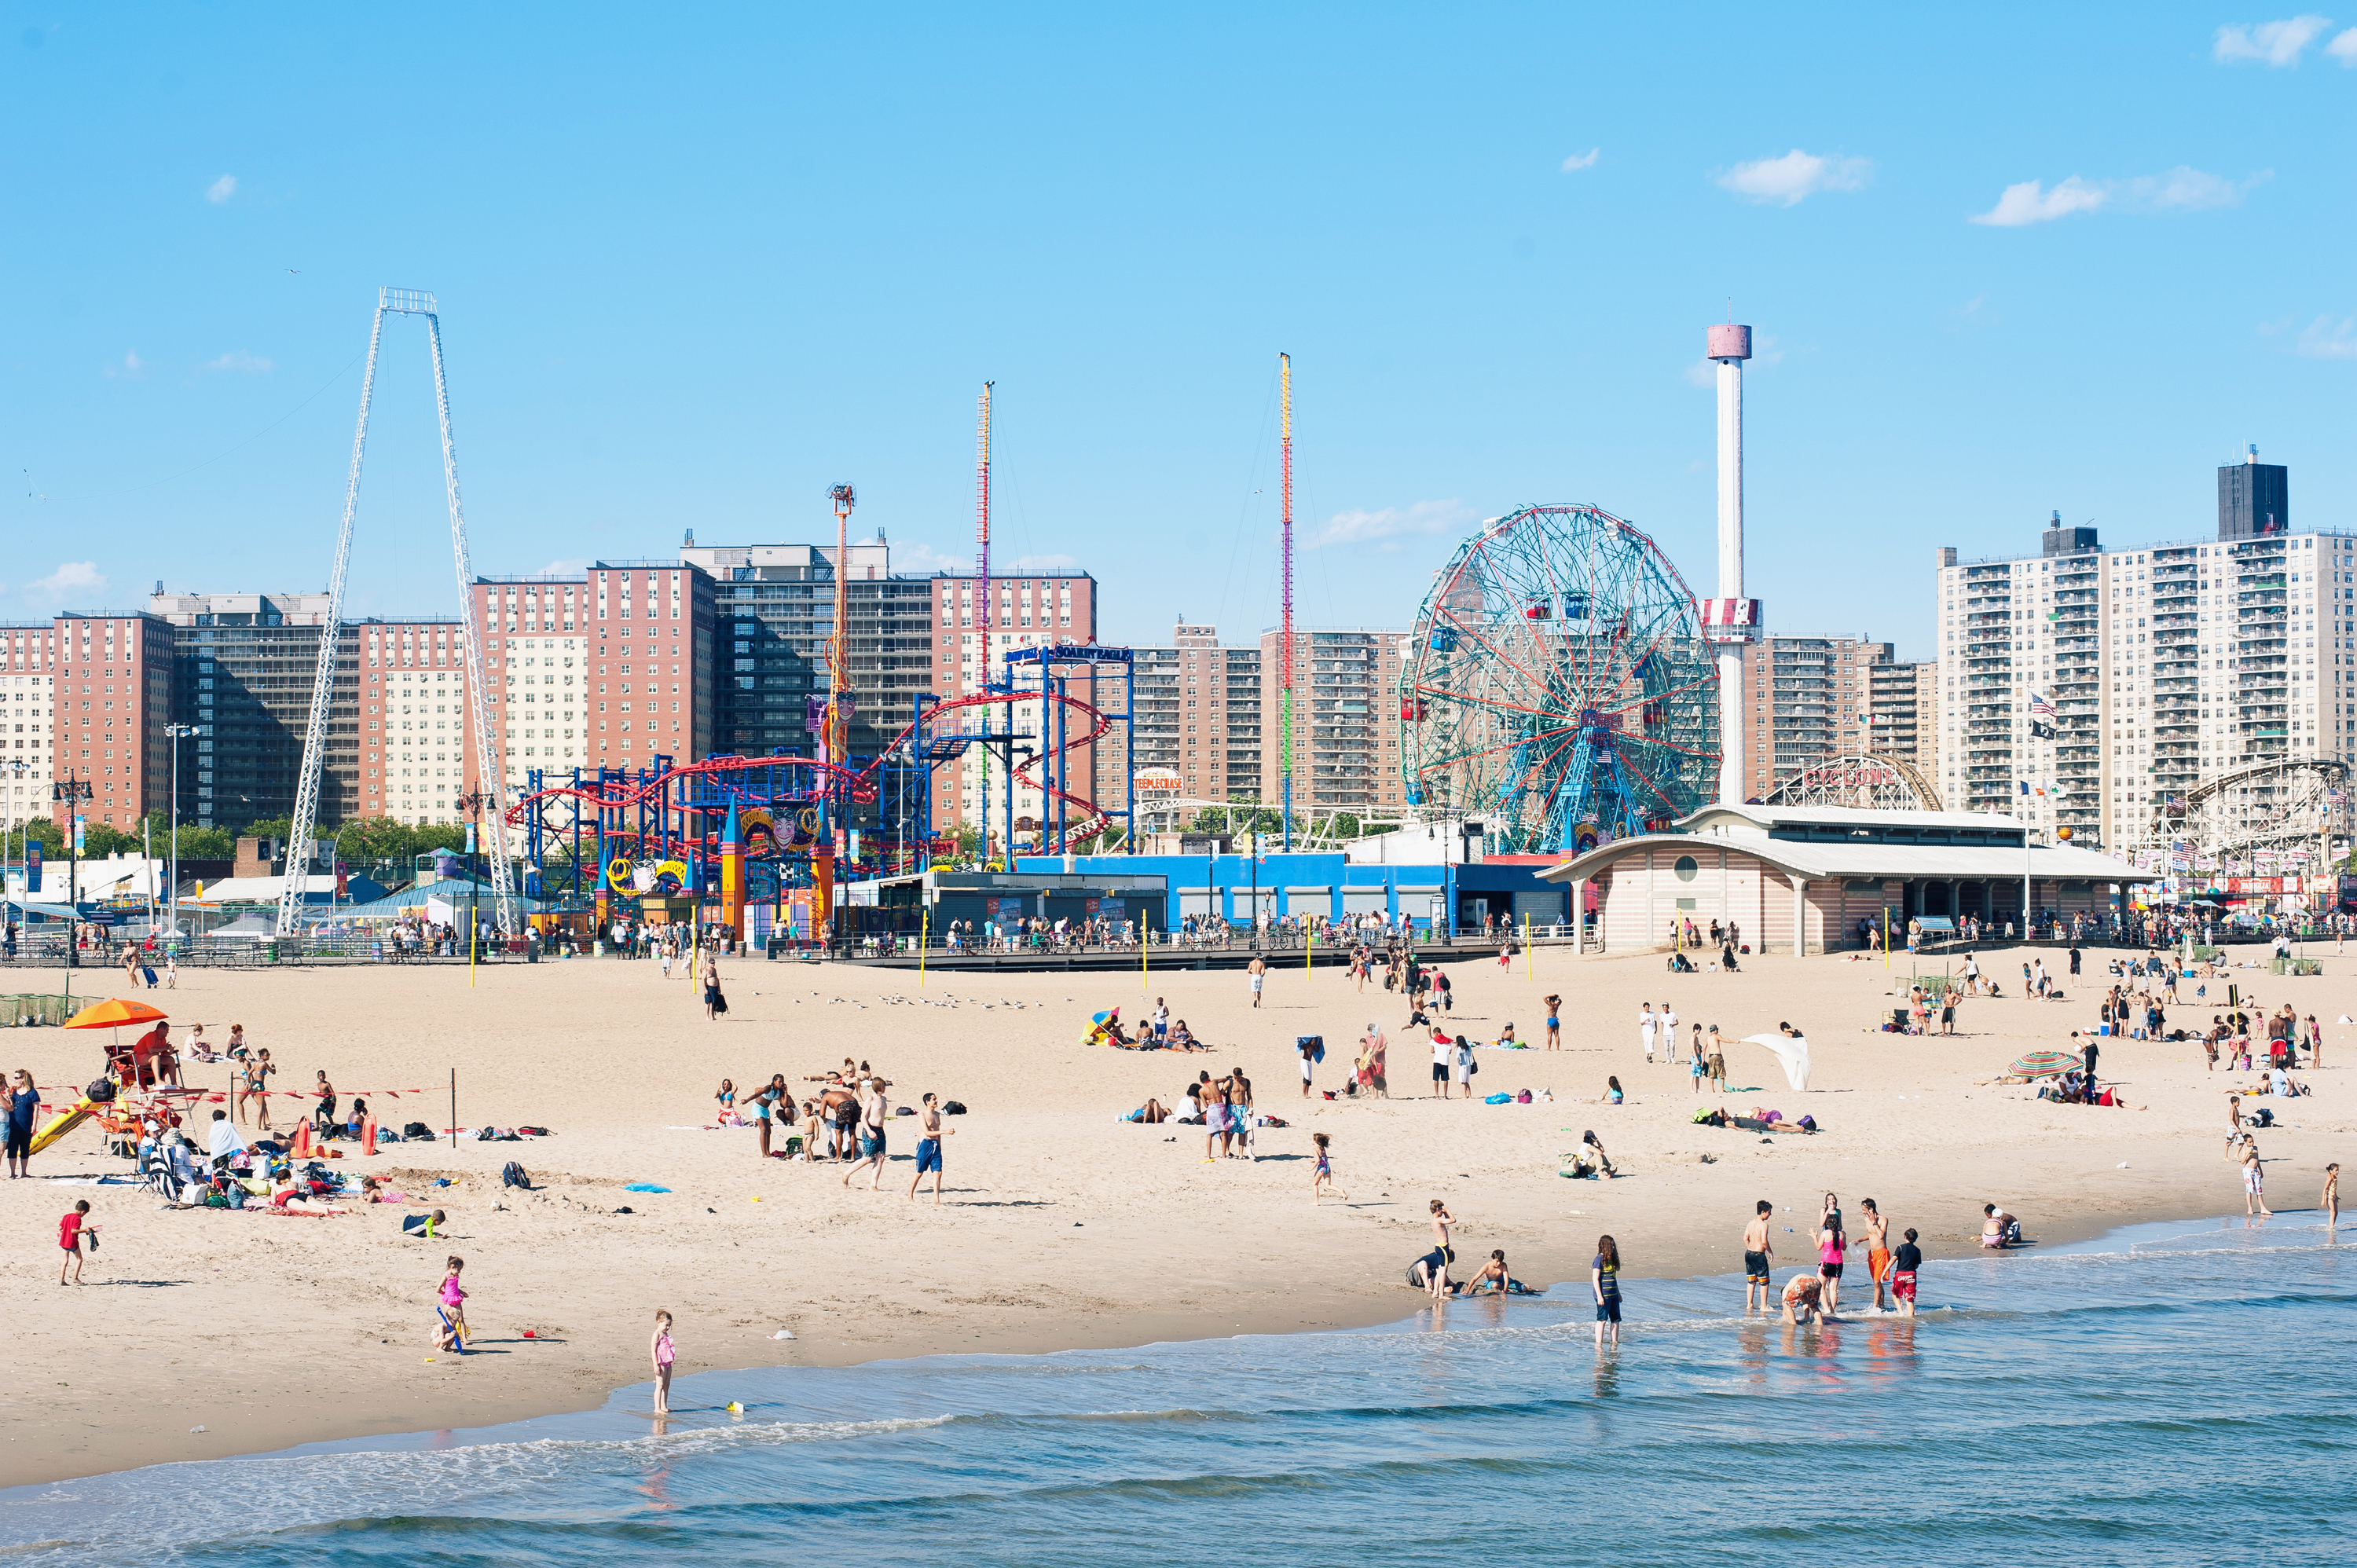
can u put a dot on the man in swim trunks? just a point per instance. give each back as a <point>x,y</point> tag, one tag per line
<point>1878,1249</point>
<point>1910,1259</point>
<point>1443,1049</point>
<point>1759,1256</point>
<point>1256,970</point>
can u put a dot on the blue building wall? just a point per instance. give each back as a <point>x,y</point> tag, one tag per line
<point>1323,884</point>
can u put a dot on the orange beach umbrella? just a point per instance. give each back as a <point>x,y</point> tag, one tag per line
<point>113,1012</point>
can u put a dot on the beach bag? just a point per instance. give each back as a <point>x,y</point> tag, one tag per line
<point>512,1174</point>
<point>952,1107</point>
<point>1523,1098</point>
<point>150,975</point>
<point>416,1129</point>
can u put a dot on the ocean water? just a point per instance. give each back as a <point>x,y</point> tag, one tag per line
<point>2171,1393</point>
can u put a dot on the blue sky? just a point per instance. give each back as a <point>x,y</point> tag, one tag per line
<point>696,267</point>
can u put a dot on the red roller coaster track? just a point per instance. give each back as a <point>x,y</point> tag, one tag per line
<point>859,784</point>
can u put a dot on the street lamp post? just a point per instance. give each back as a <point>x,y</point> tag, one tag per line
<point>472,803</point>
<point>176,732</point>
<point>71,793</point>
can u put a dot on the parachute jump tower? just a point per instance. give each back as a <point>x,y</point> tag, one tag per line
<point>400,302</point>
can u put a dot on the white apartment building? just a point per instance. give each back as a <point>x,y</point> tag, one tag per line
<point>2109,681</point>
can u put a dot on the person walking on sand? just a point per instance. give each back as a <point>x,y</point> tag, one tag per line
<point>1553,1022</point>
<point>1759,1259</point>
<point>1878,1249</point>
<point>1604,1278</point>
<point>72,1228</point>
<point>663,1353</point>
<point>1259,972</point>
<point>1669,1031</point>
<point>1646,1025</point>
<point>2255,1181</point>
<point>450,1308</point>
<point>1321,1179</point>
<point>715,1004</point>
<point>930,1133</point>
<point>257,1080</point>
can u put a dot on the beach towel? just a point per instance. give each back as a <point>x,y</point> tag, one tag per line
<point>1792,1050</point>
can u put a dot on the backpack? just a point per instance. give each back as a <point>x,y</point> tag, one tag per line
<point>512,1174</point>
<point>952,1107</point>
<point>418,1130</point>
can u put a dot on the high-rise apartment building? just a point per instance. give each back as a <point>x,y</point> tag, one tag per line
<point>1805,700</point>
<point>1346,720</point>
<point>1902,707</point>
<point>1198,707</point>
<point>537,664</point>
<point>111,701</point>
<point>28,713</point>
<point>2108,681</point>
<point>1032,610</point>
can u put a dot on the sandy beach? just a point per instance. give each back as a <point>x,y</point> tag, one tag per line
<point>1062,1225</point>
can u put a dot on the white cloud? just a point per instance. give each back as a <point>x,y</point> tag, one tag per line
<point>2344,47</point>
<point>908,558</point>
<point>1043,563</point>
<point>70,578</point>
<point>1392,521</point>
<point>2181,190</point>
<point>1578,161</point>
<point>239,359</point>
<point>2030,202</point>
<point>222,189</point>
<point>1795,177</point>
<point>2325,338</point>
<point>132,369</point>
<point>2269,43</point>
<point>568,568</point>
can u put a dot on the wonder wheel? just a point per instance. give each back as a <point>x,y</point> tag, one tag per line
<point>1559,688</point>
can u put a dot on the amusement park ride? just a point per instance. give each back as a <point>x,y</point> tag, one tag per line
<point>746,831</point>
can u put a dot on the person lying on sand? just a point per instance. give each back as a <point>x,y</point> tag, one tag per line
<point>1153,1112</point>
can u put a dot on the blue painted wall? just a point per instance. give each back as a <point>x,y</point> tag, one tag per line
<point>1232,879</point>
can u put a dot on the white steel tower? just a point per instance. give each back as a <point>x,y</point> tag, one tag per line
<point>1731,619</point>
<point>402,302</point>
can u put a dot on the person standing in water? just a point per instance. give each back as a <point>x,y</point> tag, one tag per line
<point>1831,1244</point>
<point>1878,1248</point>
<point>1759,1258</point>
<point>664,1354</point>
<point>2330,1200</point>
<point>1909,1260</point>
<point>1604,1276</point>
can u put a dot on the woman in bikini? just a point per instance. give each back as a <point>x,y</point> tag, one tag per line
<point>1554,1023</point>
<point>257,1079</point>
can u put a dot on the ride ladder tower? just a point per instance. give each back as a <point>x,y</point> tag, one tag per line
<point>1285,638</point>
<point>302,830</point>
<point>983,613</point>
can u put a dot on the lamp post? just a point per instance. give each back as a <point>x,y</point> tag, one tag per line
<point>70,793</point>
<point>176,732</point>
<point>472,803</point>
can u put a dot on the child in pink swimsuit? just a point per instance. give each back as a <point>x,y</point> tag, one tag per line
<point>665,1355</point>
<point>450,1311</point>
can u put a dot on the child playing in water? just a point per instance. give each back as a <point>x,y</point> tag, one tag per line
<point>1322,1179</point>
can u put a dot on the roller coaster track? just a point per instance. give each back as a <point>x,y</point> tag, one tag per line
<point>858,784</point>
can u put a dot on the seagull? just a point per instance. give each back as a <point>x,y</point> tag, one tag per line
<point>293,271</point>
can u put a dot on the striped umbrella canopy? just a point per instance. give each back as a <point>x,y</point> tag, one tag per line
<point>2045,1064</point>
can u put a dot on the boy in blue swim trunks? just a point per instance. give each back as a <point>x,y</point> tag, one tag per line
<point>930,1133</point>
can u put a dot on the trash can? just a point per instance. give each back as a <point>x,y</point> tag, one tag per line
<point>270,949</point>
